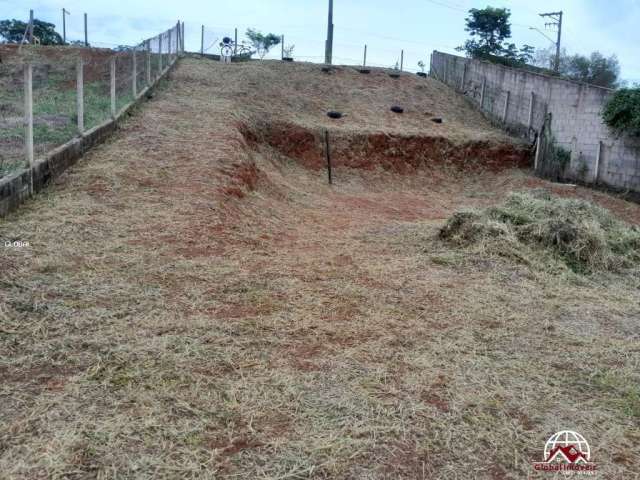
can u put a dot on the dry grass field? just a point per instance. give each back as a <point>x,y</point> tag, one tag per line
<point>196,301</point>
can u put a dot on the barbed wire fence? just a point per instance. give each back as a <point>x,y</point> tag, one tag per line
<point>51,95</point>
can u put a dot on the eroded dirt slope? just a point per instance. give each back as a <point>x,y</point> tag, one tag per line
<point>196,302</point>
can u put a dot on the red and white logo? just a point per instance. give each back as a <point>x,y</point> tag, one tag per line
<point>566,452</point>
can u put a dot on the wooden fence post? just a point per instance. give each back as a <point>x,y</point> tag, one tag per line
<point>282,41</point>
<point>531,101</point>
<point>80,95</point>
<point>506,107</point>
<point>401,60</point>
<point>169,33</point>
<point>364,62</point>
<point>134,66</point>
<point>28,114</point>
<point>112,76</point>
<point>482,92</point>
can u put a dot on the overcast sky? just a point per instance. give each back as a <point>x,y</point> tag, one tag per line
<point>417,26</point>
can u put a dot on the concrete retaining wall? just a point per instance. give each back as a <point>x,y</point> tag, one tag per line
<point>597,155</point>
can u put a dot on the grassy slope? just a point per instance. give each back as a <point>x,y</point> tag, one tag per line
<point>155,329</point>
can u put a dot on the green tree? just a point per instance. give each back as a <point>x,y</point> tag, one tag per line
<point>622,112</point>
<point>595,69</point>
<point>489,28</point>
<point>261,42</point>
<point>12,31</point>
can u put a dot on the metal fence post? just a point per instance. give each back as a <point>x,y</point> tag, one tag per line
<point>112,68</point>
<point>134,67</point>
<point>364,62</point>
<point>282,41</point>
<point>235,44</point>
<point>86,32</point>
<point>28,113</point>
<point>80,95</point>
<point>401,60</point>
<point>148,62</point>
<point>484,88</point>
<point>159,55</point>
<point>506,107</point>
<point>202,42</point>
<point>169,47</point>
<point>531,101</point>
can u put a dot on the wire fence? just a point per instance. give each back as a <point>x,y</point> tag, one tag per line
<point>50,95</point>
<point>307,45</point>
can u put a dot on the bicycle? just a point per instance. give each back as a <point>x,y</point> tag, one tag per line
<point>229,48</point>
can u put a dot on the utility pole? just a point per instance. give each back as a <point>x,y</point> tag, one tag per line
<point>556,21</point>
<point>65,12</point>
<point>30,27</point>
<point>86,35</point>
<point>328,54</point>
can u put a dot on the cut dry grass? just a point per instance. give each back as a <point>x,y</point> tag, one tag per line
<point>542,229</point>
<point>158,328</point>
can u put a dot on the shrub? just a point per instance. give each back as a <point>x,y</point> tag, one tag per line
<point>622,112</point>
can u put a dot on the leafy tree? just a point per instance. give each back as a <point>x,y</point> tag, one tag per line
<point>622,112</point>
<point>261,42</point>
<point>489,28</point>
<point>595,69</point>
<point>12,31</point>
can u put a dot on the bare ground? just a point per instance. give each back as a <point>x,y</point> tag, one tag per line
<point>195,305</point>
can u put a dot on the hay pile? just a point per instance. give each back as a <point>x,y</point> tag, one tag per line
<point>540,230</point>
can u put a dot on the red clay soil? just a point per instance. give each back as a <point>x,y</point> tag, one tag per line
<point>392,152</point>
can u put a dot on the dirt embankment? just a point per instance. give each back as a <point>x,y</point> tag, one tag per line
<point>392,152</point>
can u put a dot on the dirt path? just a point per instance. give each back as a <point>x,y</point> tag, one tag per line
<point>166,321</point>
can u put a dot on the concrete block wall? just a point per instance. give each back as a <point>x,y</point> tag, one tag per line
<point>597,155</point>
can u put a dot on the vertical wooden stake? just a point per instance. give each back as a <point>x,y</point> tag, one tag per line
<point>506,106</point>
<point>282,42</point>
<point>134,83</point>
<point>28,114</point>
<point>328,153</point>
<point>401,60</point>
<point>80,95</point>
<point>364,62</point>
<point>112,68</point>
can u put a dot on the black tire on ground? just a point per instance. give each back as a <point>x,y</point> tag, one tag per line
<point>334,115</point>
<point>436,120</point>
<point>365,71</point>
<point>397,109</point>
